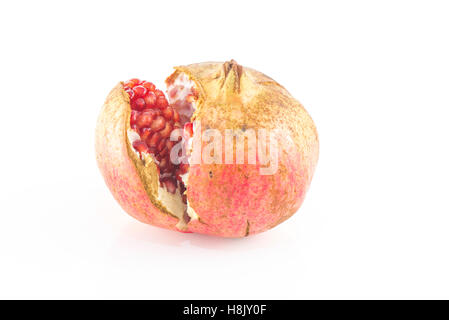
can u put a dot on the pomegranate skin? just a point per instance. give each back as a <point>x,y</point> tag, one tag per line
<point>234,200</point>
<point>118,165</point>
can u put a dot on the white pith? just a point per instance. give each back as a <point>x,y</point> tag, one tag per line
<point>173,202</point>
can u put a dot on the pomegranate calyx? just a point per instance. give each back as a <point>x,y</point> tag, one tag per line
<point>232,74</point>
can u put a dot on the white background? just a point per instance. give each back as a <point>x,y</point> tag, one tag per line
<point>374,75</point>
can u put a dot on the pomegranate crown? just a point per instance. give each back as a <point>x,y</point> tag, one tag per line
<point>232,74</point>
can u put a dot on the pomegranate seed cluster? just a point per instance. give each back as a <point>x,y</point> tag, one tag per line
<point>154,120</point>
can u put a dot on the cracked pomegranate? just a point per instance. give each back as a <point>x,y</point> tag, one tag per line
<point>146,142</point>
<point>154,121</point>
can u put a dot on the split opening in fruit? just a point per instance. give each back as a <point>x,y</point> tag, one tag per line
<point>159,126</point>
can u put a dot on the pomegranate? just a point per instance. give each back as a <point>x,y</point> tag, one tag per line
<point>152,153</point>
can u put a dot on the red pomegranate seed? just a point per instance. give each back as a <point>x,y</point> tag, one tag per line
<point>168,113</point>
<point>167,130</point>
<point>178,175</point>
<point>169,144</point>
<point>149,86</point>
<point>161,145</point>
<point>140,146</point>
<point>161,102</point>
<point>152,150</point>
<point>145,133</point>
<point>130,93</point>
<point>134,115</point>
<point>183,168</point>
<point>159,93</point>
<point>138,104</point>
<point>164,151</point>
<point>158,123</point>
<point>139,91</point>
<point>130,83</point>
<point>164,163</point>
<point>165,170</point>
<point>154,140</point>
<point>170,165</point>
<point>145,119</point>
<point>176,116</point>
<point>150,99</point>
